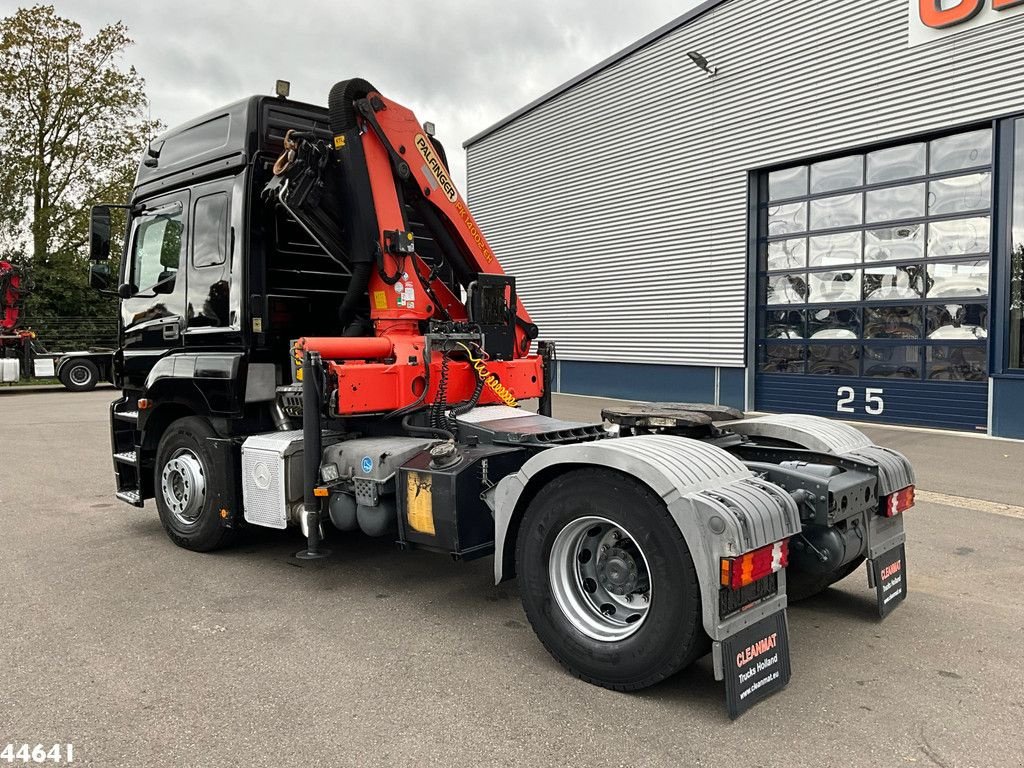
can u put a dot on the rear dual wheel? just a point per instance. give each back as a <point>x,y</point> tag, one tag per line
<point>607,581</point>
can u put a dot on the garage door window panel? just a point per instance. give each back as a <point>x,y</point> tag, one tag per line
<point>782,358</point>
<point>960,151</point>
<point>784,323</point>
<point>790,288</point>
<point>837,211</point>
<point>787,219</point>
<point>842,173</point>
<point>958,279</point>
<point>893,321</point>
<point>894,203</point>
<point>834,286</point>
<point>789,182</point>
<point>892,361</point>
<point>893,283</point>
<point>834,323</point>
<point>963,322</point>
<point>958,362</point>
<point>960,194</point>
<point>959,237</point>
<point>899,243</point>
<point>903,162</point>
<point>787,254</point>
<point>833,359</point>
<point>835,249</point>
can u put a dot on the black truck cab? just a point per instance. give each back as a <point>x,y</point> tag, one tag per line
<point>214,282</point>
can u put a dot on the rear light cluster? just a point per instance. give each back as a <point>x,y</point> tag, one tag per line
<point>897,502</point>
<point>738,572</point>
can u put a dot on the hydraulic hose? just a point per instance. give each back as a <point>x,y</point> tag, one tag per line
<point>413,429</point>
<point>356,289</point>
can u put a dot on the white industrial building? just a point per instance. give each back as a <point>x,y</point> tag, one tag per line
<point>780,205</point>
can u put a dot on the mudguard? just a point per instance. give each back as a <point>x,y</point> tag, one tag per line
<point>721,508</point>
<point>821,435</point>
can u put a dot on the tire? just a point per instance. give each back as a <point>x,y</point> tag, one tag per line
<point>801,585</point>
<point>79,375</point>
<point>667,636</point>
<point>185,488</point>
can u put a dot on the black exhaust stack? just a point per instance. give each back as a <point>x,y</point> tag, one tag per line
<point>312,376</point>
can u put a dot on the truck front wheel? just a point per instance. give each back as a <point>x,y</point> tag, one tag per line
<point>607,581</point>
<point>79,375</point>
<point>185,487</point>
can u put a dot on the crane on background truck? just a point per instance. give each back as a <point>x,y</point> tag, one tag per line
<point>314,330</point>
<point>21,354</point>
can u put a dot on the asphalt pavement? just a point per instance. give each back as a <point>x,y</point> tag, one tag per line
<point>143,654</point>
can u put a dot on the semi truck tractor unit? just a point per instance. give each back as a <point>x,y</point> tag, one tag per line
<point>315,334</point>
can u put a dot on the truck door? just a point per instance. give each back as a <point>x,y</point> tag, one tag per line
<point>153,315</point>
<point>211,312</point>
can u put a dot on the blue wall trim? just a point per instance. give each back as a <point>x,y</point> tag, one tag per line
<point>640,381</point>
<point>1008,406</point>
<point>732,387</point>
<point>946,404</point>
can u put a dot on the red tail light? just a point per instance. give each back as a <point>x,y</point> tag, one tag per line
<point>739,571</point>
<point>895,503</point>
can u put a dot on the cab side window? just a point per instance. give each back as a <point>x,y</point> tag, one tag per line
<point>210,230</point>
<point>157,251</point>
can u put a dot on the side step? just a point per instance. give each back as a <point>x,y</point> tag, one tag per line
<point>130,497</point>
<point>124,448</point>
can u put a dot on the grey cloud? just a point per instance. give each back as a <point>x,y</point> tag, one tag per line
<point>463,65</point>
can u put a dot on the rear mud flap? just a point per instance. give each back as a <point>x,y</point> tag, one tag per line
<point>887,574</point>
<point>754,662</point>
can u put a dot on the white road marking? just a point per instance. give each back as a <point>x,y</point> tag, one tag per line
<point>977,505</point>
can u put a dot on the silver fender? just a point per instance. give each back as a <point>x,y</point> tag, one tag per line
<point>721,508</point>
<point>821,435</point>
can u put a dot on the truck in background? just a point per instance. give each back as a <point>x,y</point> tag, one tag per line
<point>22,356</point>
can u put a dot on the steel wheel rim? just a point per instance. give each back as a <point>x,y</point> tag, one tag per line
<point>183,485</point>
<point>600,578</point>
<point>79,375</point>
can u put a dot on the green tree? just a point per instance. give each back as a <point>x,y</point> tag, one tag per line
<point>73,126</point>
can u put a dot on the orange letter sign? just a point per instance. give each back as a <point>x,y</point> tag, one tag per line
<point>933,15</point>
<point>1002,5</point>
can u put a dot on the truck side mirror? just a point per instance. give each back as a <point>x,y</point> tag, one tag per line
<point>99,276</point>
<point>99,233</point>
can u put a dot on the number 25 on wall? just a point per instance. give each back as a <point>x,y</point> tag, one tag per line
<point>873,402</point>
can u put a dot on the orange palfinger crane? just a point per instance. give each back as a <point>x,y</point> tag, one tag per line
<point>381,170</point>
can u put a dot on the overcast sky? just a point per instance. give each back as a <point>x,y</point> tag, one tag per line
<point>461,64</point>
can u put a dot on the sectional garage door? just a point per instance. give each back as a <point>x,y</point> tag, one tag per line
<point>873,284</point>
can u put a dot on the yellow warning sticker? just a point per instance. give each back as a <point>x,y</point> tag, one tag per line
<point>339,142</point>
<point>380,300</point>
<point>419,503</point>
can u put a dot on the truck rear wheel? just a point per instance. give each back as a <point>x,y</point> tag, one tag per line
<point>79,375</point>
<point>185,487</point>
<point>607,581</point>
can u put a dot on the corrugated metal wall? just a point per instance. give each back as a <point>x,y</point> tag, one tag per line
<point>621,204</point>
